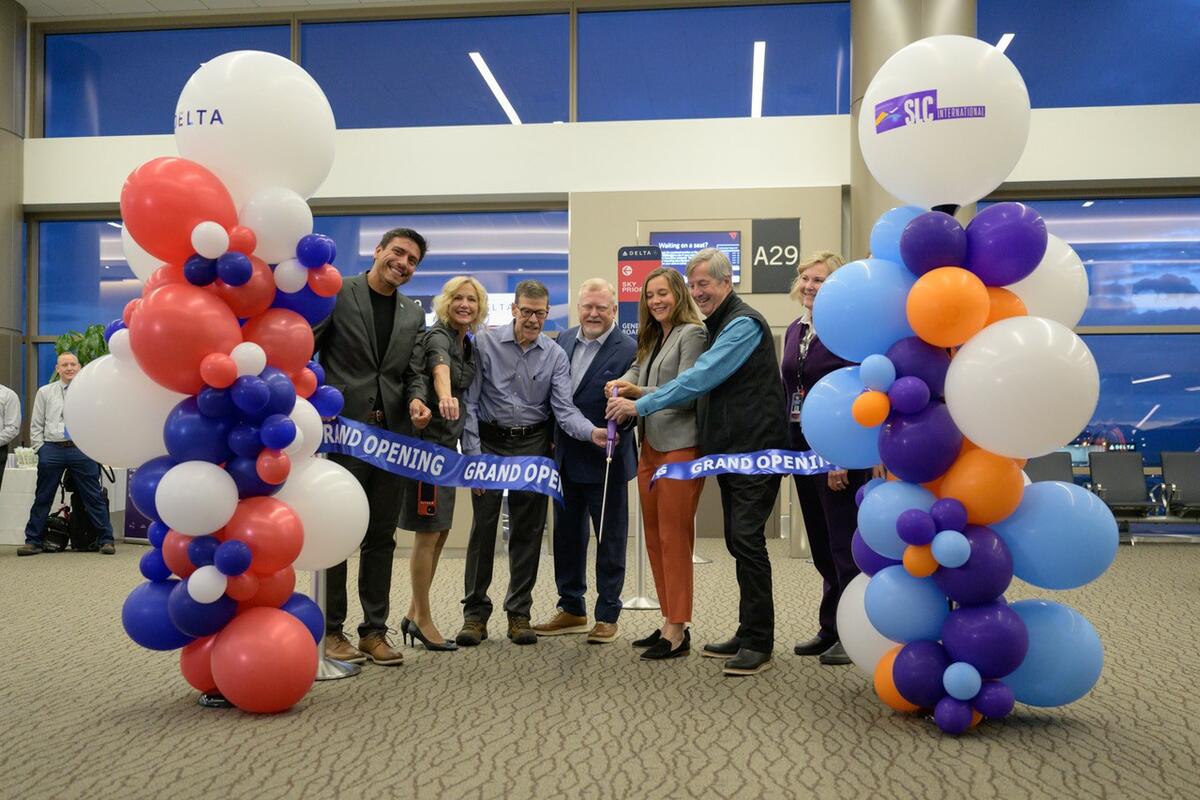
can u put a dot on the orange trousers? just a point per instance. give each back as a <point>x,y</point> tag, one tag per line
<point>669,518</point>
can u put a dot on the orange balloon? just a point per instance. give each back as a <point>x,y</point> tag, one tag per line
<point>933,486</point>
<point>947,306</point>
<point>1003,304</point>
<point>919,561</point>
<point>990,486</point>
<point>976,718</point>
<point>871,409</point>
<point>885,685</point>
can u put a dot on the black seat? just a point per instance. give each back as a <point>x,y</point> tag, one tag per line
<point>1181,476</point>
<point>1118,479</point>
<point>1054,466</point>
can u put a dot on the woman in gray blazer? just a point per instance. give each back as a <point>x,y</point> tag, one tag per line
<point>670,339</point>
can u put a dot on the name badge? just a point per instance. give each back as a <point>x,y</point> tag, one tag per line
<point>797,402</point>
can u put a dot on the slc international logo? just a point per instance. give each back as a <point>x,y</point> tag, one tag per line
<point>916,108</point>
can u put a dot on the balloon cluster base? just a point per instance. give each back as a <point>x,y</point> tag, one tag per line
<point>213,700</point>
<point>329,669</point>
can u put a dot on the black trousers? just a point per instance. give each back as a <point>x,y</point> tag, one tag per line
<point>830,519</point>
<point>3,462</point>
<point>385,494</point>
<point>747,501</point>
<point>574,523</point>
<point>526,521</point>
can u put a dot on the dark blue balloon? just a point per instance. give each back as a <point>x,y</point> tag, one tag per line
<point>306,303</point>
<point>328,401</point>
<point>278,431</point>
<point>156,533</point>
<point>193,436</point>
<point>317,370</point>
<point>313,251</point>
<point>917,358</point>
<point>146,619</point>
<point>990,637</point>
<point>250,394</point>
<point>952,716</point>
<point>245,475</point>
<point>933,240</point>
<point>985,576</point>
<point>304,609</point>
<point>1005,242</point>
<point>867,559</point>
<point>919,447</point>
<point>201,550</point>
<point>245,441</point>
<point>113,327</point>
<point>332,248</point>
<point>995,700</point>
<point>153,567</point>
<point>232,557</point>
<point>200,271</point>
<point>234,268</point>
<point>143,484</point>
<point>917,672</point>
<point>215,403</point>
<point>283,391</point>
<point>199,619</point>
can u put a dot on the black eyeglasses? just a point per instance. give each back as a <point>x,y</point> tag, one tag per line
<point>526,313</point>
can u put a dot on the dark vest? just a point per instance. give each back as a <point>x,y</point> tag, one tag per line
<point>746,412</point>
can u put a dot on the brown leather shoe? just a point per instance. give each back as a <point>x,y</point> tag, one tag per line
<point>519,631</point>
<point>561,623</point>
<point>380,650</point>
<point>108,549</point>
<point>338,647</point>
<point>473,632</point>
<point>30,550</point>
<point>602,633</point>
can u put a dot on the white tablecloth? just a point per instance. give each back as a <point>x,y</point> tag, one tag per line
<point>16,498</point>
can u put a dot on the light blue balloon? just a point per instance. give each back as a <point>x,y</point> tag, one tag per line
<point>882,507</point>
<point>950,549</point>
<point>860,309</point>
<point>885,236</point>
<point>878,373</point>
<point>829,425</point>
<point>1065,656</point>
<point>904,608</point>
<point>961,681</point>
<point>1061,536</point>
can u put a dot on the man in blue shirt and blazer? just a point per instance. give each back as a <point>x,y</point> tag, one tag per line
<point>599,352</point>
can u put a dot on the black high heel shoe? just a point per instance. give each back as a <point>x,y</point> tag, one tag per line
<point>405,624</point>
<point>662,649</point>
<point>413,634</point>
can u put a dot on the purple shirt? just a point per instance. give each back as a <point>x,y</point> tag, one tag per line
<point>816,365</point>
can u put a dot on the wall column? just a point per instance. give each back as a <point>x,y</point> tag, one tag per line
<point>12,139</point>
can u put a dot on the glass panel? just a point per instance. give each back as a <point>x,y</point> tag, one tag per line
<point>127,82</point>
<point>699,62</point>
<point>83,278</point>
<point>46,359</point>
<point>421,71</point>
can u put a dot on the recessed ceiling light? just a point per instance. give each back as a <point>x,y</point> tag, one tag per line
<point>1005,41</point>
<point>494,85</point>
<point>756,82</point>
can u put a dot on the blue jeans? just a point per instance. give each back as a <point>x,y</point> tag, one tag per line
<point>53,461</point>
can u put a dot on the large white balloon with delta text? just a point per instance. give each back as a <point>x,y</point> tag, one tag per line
<point>944,120</point>
<point>257,120</point>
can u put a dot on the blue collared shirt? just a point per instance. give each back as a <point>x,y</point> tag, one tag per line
<point>585,353</point>
<point>517,386</point>
<point>729,351</point>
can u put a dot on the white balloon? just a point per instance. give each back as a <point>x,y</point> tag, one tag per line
<point>290,276</point>
<point>256,120</point>
<point>279,218</point>
<point>142,263</point>
<point>206,584</point>
<point>944,121</point>
<point>120,346</point>
<point>1058,288</point>
<point>1022,387</point>
<point>333,507</point>
<point>116,414</point>
<point>309,431</point>
<point>250,358</point>
<point>210,240</point>
<point>863,643</point>
<point>196,498</point>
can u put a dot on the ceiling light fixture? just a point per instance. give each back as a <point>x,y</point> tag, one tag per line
<point>1152,378</point>
<point>756,84</point>
<point>490,80</point>
<point>1005,41</point>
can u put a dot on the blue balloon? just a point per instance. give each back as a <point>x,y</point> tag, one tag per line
<point>951,549</point>
<point>156,532</point>
<point>201,550</point>
<point>113,327</point>
<point>234,268</point>
<point>860,309</point>
<point>153,567</point>
<point>215,403</point>
<point>885,235</point>
<point>878,372</point>
<point>881,509</point>
<point>1061,536</point>
<point>146,619</point>
<point>200,271</point>
<point>245,441</point>
<point>193,436</point>
<point>332,247</point>
<point>304,609</point>
<point>250,394</point>
<point>317,370</point>
<point>961,680</point>
<point>283,392</point>
<point>306,303</point>
<point>827,422</point>
<point>313,251</point>
<point>245,474</point>
<point>866,488</point>
<point>232,557</point>
<point>1065,656</point>
<point>904,608</point>
<point>199,619</point>
<point>143,485</point>
<point>328,401</point>
<point>278,431</point>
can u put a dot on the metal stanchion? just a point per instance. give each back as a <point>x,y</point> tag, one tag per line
<point>696,557</point>
<point>328,669</point>
<point>640,601</point>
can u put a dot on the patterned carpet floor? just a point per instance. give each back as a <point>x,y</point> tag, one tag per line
<point>84,713</point>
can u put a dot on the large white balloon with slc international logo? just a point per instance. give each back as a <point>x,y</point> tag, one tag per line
<point>257,120</point>
<point>944,120</point>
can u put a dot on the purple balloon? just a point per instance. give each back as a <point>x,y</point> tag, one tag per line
<point>952,716</point>
<point>949,515</point>
<point>917,672</point>
<point>985,576</point>
<point>866,488</point>
<point>931,240</point>
<point>245,475</point>
<point>916,527</point>
<point>995,700</point>
<point>920,447</point>
<point>908,395</point>
<point>867,559</point>
<point>1005,243</point>
<point>911,356</point>
<point>991,638</point>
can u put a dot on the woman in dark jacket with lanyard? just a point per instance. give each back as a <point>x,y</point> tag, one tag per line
<point>445,357</point>
<point>827,501</point>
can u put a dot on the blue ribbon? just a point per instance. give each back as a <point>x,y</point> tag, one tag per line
<point>761,462</point>
<point>431,463</point>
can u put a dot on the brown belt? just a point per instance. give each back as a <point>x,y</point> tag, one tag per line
<point>67,443</point>
<point>375,417</point>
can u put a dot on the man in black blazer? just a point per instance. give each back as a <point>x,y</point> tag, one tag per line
<point>599,352</point>
<point>365,346</point>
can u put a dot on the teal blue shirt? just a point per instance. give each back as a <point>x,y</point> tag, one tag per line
<point>732,347</point>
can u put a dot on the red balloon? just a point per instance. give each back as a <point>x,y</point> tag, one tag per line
<point>167,273</point>
<point>273,467</point>
<point>218,370</point>
<point>264,660</point>
<point>305,382</point>
<point>325,281</point>
<point>175,327</point>
<point>272,531</point>
<point>175,553</point>
<point>195,662</point>
<point>130,309</point>
<point>285,336</point>
<point>164,199</point>
<point>251,298</point>
<point>273,590</point>
<point>242,587</point>
<point>242,239</point>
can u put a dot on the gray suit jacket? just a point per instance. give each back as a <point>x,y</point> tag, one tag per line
<point>671,428</point>
<point>345,343</point>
